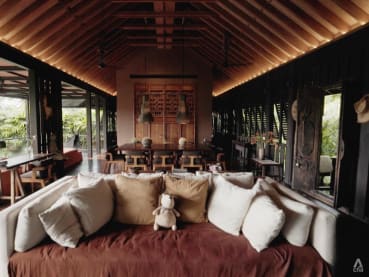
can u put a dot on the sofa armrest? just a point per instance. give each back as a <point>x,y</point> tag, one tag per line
<point>9,216</point>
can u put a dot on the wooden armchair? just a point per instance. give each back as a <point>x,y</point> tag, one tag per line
<point>163,160</point>
<point>41,173</point>
<point>191,159</point>
<point>136,160</point>
<point>114,159</point>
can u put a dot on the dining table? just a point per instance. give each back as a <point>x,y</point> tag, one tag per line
<point>12,164</point>
<point>264,163</point>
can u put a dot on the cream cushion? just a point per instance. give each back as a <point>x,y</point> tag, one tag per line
<point>191,195</point>
<point>263,222</point>
<point>298,215</point>
<point>323,225</point>
<point>241,179</point>
<point>228,205</point>
<point>93,205</point>
<point>61,223</point>
<point>29,231</point>
<point>136,199</point>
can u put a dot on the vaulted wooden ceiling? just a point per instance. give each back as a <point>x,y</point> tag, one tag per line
<point>240,39</point>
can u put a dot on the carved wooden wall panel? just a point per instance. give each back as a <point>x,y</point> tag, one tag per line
<point>163,99</point>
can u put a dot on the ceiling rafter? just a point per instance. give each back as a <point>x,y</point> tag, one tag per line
<point>270,24</point>
<point>253,25</point>
<point>240,39</point>
<point>304,19</point>
<point>285,21</point>
<point>54,32</point>
<point>254,37</point>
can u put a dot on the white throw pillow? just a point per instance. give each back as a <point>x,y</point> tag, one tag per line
<point>86,179</point>
<point>208,175</point>
<point>263,222</point>
<point>228,205</point>
<point>298,215</point>
<point>61,223</point>
<point>241,179</point>
<point>29,231</point>
<point>93,204</point>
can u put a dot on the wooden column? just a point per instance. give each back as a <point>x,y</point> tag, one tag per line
<point>34,110</point>
<point>361,194</point>
<point>89,124</point>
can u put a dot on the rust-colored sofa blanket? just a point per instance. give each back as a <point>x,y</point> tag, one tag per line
<point>193,250</point>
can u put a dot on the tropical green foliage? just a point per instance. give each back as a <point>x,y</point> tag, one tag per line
<point>13,123</point>
<point>75,123</point>
<point>330,124</point>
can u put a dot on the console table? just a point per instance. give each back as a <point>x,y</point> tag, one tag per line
<point>12,165</point>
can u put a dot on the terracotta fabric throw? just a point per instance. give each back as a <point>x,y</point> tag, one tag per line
<point>193,250</point>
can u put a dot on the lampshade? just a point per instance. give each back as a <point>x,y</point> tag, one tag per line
<point>2,144</point>
<point>145,114</point>
<point>183,116</point>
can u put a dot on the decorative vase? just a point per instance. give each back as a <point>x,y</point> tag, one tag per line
<point>146,142</point>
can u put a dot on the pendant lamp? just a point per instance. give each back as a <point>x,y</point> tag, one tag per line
<point>145,114</point>
<point>182,116</point>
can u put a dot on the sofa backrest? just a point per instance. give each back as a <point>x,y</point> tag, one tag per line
<point>9,216</point>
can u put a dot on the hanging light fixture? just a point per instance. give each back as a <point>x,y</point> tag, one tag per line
<point>182,116</point>
<point>145,114</point>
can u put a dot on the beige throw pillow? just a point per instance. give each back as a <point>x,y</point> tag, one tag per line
<point>29,231</point>
<point>136,199</point>
<point>93,205</point>
<point>61,223</point>
<point>191,197</point>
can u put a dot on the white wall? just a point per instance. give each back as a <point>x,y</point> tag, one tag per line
<point>156,61</point>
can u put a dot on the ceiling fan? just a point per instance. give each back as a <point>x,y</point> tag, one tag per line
<point>227,42</point>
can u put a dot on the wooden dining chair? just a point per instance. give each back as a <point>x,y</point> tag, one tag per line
<point>114,161</point>
<point>163,160</point>
<point>41,173</point>
<point>136,160</point>
<point>191,159</point>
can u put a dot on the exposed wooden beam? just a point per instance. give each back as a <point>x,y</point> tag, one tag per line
<point>11,78</point>
<point>11,68</point>
<point>195,27</point>
<point>353,10</point>
<point>152,37</point>
<point>300,16</point>
<point>162,45</point>
<point>258,31</point>
<point>285,21</point>
<point>145,1</point>
<point>150,14</point>
<point>271,24</point>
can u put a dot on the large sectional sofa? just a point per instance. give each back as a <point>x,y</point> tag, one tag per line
<point>214,238</point>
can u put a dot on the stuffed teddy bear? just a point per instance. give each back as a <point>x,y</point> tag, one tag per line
<point>165,214</point>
